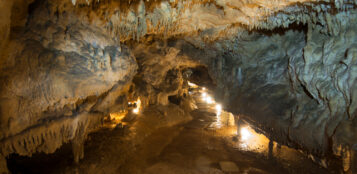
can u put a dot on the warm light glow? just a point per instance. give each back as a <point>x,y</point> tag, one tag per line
<point>245,133</point>
<point>209,100</point>
<point>138,106</point>
<point>192,85</point>
<point>250,140</point>
<point>136,110</point>
<point>117,116</point>
<point>204,88</point>
<point>204,94</point>
<point>218,109</point>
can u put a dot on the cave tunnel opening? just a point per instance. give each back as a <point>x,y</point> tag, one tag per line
<point>199,75</point>
<point>175,99</point>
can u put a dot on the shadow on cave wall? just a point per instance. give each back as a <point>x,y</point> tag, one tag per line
<point>200,76</point>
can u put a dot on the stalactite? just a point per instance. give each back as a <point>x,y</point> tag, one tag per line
<point>48,137</point>
<point>167,19</point>
<point>78,146</point>
<point>3,165</point>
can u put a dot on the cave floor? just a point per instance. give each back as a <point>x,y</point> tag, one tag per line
<point>206,144</point>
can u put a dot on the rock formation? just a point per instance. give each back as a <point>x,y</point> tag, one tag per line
<point>288,65</point>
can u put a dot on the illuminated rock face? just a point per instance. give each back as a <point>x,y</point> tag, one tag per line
<point>55,72</point>
<point>298,85</point>
<point>290,65</point>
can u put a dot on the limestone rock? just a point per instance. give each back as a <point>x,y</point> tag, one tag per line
<point>53,69</point>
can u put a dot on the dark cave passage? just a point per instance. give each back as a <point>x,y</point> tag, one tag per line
<point>199,75</point>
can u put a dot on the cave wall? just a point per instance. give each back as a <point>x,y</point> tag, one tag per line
<point>289,66</point>
<point>161,69</point>
<point>297,84</point>
<point>56,74</point>
<point>62,72</point>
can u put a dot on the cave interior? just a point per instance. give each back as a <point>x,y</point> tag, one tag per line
<point>178,86</point>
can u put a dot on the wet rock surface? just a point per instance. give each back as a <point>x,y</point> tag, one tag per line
<point>175,145</point>
<point>288,66</point>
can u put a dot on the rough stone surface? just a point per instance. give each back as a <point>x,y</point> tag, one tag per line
<point>228,166</point>
<point>289,65</point>
<point>55,69</point>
